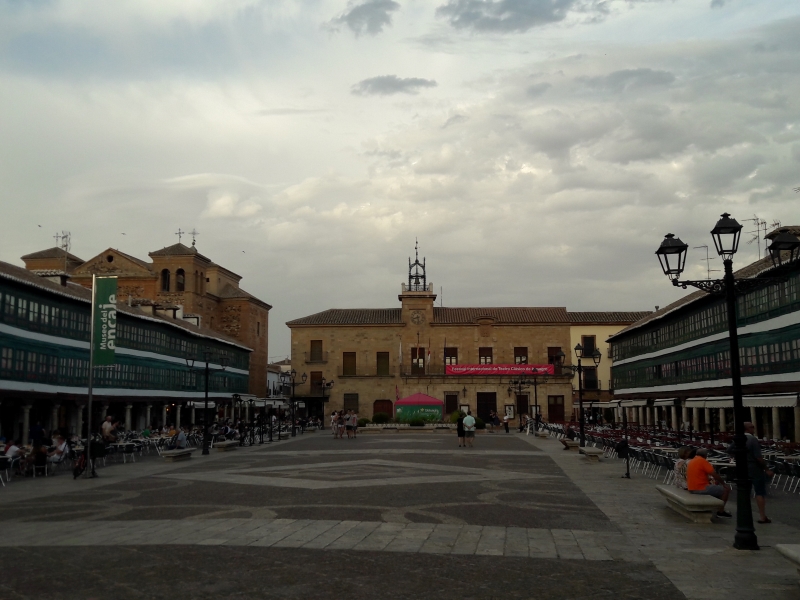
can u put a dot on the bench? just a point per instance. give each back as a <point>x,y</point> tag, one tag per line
<point>226,446</point>
<point>791,552</point>
<point>176,455</point>
<point>570,444</point>
<point>695,507</point>
<point>592,454</point>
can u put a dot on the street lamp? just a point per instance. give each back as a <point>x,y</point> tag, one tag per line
<point>520,385</point>
<point>580,353</point>
<point>291,378</point>
<point>208,356</point>
<point>672,256</point>
<point>324,385</point>
<point>252,404</point>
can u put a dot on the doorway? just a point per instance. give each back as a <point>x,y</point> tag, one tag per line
<point>555,408</point>
<point>383,406</point>
<point>522,404</point>
<point>487,402</point>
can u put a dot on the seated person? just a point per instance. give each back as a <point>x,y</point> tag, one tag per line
<point>698,473</point>
<point>15,450</point>
<point>680,467</point>
<point>146,432</point>
<point>178,442</point>
<point>107,430</point>
<point>60,452</point>
<point>173,431</point>
<point>571,435</point>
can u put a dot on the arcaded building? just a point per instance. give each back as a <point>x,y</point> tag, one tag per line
<point>178,282</point>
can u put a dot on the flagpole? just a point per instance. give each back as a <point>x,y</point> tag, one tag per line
<point>89,468</point>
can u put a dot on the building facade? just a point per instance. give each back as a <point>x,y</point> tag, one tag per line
<point>181,282</point>
<point>44,360</point>
<point>377,356</point>
<point>673,367</point>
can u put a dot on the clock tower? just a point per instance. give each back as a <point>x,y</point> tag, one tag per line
<point>417,296</point>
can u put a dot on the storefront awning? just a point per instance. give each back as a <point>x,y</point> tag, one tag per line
<point>665,402</point>
<point>632,403</point>
<point>775,401</point>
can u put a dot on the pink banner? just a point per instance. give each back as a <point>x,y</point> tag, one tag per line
<point>499,370</point>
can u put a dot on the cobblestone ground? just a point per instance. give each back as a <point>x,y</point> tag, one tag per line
<point>382,516</point>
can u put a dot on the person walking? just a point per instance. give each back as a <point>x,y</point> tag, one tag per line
<point>757,470</point>
<point>469,428</point>
<point>505,422</point>
<point>460,430</point>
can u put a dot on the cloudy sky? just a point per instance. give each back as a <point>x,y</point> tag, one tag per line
<point>539,149</point>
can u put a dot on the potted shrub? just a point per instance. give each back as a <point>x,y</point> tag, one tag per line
<point>417,422</point>
<point>380,418</point>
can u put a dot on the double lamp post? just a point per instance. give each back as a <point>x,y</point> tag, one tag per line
<point>580,354</point>
<point>672,256</point>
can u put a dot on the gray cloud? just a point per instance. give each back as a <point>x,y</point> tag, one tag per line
<point>630,79</point>
<point>513,16</point>
<point>368,17</point>
<point>385,85</point>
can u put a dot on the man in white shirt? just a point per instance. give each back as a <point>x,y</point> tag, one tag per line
<point>469,429</point>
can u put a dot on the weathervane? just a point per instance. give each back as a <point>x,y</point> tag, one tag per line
<point>414,278</point>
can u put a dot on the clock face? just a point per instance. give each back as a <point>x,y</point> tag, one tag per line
<point>417,317</point>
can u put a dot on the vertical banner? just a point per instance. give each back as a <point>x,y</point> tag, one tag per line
<point>104,340</point>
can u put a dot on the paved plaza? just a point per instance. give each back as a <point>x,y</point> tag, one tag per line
<point>385,515</point>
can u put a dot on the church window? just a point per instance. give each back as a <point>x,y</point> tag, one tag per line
<point>180,280</point>
<point>165,280</point>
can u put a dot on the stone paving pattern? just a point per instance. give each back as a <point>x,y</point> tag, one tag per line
<point>381,516</point>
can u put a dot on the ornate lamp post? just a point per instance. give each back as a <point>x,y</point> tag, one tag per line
<point>520,385</point>
<point>208,356</point>
<point>291,378</point>
<point>672,256</point>
<point>596,356</point>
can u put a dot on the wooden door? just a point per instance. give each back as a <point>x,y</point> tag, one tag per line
<point>383,406</point>
<point>522,404</point>
<point>487,402</point>
<point>555,408</point>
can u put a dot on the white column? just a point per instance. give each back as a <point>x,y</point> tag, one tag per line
<point>128,408</point>
<point>723,426</point>
<point>797,423</point>
<point>177,416</point>
<point>54,418</point>
<point>147,415</point>
<point>675,425</point>
<point>684,414</point>
<point>707,417</point>
<point>26,423</point>
<point>163,414</point>
<point>696,419</point>
<point>193,415</point>
<point>776,423</point>
<point>639,417</point>
<point>104,412</point>
<point>754,419</point>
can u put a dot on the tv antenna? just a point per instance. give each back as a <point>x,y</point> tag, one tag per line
<point>708,260</point>
<point>760,225</point>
